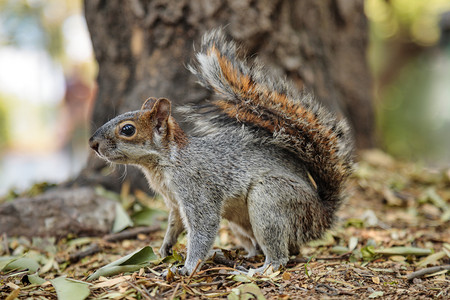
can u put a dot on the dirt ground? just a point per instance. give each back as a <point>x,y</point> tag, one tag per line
<point>392,241</point>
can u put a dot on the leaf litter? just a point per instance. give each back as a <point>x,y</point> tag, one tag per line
<point>392,242</point>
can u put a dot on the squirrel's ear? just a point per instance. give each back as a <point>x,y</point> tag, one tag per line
<point>149,103</point>
<point>162,109</point>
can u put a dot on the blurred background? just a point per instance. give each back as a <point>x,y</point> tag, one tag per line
<point>48,71</point>
<point>47,85</point>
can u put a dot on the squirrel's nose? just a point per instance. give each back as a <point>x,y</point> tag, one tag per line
<point>93,144</point>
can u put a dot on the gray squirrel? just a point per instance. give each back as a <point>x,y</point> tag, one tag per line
<point>266,157</point>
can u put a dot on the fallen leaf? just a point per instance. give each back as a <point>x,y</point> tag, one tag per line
<point>340,282</point>
<point>376,294</point>
<point>339,249</point>
<point>35,279</point>
<point>352,243</point>
<point>434,198</point>
<point>13,286</point>
<point>69,289</point>
<point>122,219</point>
<point>273,274</point>
<point>131,262</point>
<point>111,282</point>
<point>436,273</point>
<point>80,241</point>
<point>354,222</point>
<point>370,218</point>
<point>241,278</point>
<point>147,216</point>
<point>446,249</point>
<point>431,259</point>
<point>170,277</point>
<point>286,276</point>
<point>391,198</point>
<point>403,251</point>
<point>174,258</point>
<point>246,291</point>
<point>9,263</point>
<point>13,295</point>
<point>397,258</point>
<point>368,253</point>
<point>326,240</point>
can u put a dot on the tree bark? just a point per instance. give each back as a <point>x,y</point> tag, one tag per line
<point>142,48</point>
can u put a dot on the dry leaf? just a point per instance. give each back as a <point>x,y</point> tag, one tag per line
<point>111,282</point>
<point>398,258</point>
<point>14,294</point>
<point>431,259</point>
<point>352,243</point>
<point>286,276</point>
<point>376,294</point>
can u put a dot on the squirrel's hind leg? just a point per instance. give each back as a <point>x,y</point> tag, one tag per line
<point>271,219</point>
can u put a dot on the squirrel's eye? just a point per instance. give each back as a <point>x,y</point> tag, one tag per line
<point>128,130</point>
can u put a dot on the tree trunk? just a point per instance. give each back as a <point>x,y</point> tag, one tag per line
<point>142,48</point>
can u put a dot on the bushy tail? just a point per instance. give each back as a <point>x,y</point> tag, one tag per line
<point>297,122</point>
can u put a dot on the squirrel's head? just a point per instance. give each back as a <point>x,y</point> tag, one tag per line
<point>139,136</point>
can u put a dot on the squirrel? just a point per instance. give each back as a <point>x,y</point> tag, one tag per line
<point>265,156</point>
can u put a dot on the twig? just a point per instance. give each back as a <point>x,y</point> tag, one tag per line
<point>206,283</point>
<point>426,271</point>
<point>130,233</point>
<point>342,292</point>
<point>195,269</point>
<point>220,259</point>
<point>127,234</point>
<point>331,291</point>
<point>5,242</point>
<point>215,269</point>
<point>327,289</point>
<point>342,256</point>
<point>175,291</point>
<point>92,249</point>
<point>144,292</point>
<point>297,260</point>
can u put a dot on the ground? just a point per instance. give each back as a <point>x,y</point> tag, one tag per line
<point>395,222</point>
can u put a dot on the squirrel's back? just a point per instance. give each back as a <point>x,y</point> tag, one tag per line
<point>274,111</point>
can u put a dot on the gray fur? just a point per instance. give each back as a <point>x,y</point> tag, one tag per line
<point>258,181</point>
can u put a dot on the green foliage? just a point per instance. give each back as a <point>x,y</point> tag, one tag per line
<point>129,263</point>
<point>246,291</point>
<point>18,263</point>
<point>122,219</point>
<point>403,117</point>
<point>413,123</point>
<point>69,289</point>
<point>410,77</point>
<point>416,20</point>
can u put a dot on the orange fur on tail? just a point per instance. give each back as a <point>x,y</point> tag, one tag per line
<point>296,121</point>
